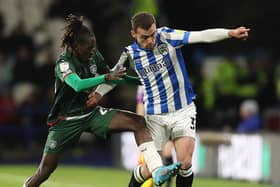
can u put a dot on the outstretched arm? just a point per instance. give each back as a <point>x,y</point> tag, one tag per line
<point>128,80</point>
<point>103,89</point>
<point>78,84</point>
<point>214,35</point>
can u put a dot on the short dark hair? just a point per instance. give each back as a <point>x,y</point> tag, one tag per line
<point>143,20</point>
<point>75,32</point>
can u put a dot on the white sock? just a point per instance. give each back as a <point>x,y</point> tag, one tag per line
<point>185,172</point>
<point>137,175</point>
<point>151,156</point>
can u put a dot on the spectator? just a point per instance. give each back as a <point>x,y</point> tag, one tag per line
<point>249,113</point>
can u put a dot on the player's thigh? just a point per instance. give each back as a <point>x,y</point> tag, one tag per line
<point>99,121</point>
<point>183,133</point>
<point>158,130</point>
<point>167,150</point>
<point>184,123</point>
<point>127,121</point>
<point>63,135</point>
<point>105,121</point>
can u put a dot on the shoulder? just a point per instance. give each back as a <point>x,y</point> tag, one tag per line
<point>162,30</point>
<point>64,57</point>
<point>130,49</point>
<point>64,63</point>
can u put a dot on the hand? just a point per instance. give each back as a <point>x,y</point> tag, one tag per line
<point>239,33</point>
<point>117,74</point>
<point>93,99</point>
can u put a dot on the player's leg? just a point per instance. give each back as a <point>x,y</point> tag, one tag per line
<point>141,162</point>
<point>112,121</point>
<point>61,136</point>
<point>183,135</point>
<point>167,157</point>
<point>127,121</point>
<point>47,166</point>
<point>184,150</point>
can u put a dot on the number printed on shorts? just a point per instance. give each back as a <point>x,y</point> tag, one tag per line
<point>193,121</point>
<point>103,111</point>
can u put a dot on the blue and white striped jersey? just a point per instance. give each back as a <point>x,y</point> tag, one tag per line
<point>162,71</point>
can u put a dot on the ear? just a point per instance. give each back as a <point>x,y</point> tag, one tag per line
<point>133,33</point>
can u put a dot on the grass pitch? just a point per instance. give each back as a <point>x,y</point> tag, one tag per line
<point>79,176</point>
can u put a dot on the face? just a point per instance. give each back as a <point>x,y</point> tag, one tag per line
<point>145,38</point>
<point>83,51</point>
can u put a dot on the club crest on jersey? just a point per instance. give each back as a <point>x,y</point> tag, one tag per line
<point>64,66</point>
<point>93,69</point>
<point>162,48</point>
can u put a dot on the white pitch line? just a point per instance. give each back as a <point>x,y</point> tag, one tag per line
<point>21,179</point>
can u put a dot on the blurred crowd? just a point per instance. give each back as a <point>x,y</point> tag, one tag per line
<point>30,42</point>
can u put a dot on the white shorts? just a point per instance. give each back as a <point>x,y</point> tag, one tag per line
<point>169,126</point>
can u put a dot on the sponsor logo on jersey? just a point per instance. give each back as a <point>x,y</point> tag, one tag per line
<point>155,68</point>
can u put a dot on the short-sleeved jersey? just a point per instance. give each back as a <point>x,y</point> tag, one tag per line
<point>162,71</point>
<point>68,103</point>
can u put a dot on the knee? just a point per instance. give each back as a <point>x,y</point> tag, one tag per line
<point>186,163</point>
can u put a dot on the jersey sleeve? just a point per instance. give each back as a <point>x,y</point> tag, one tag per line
<point>124,60</point>
<point>63,68</point>
<point>175,37</point>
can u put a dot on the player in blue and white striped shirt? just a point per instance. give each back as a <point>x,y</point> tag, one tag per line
<point>157,58</point>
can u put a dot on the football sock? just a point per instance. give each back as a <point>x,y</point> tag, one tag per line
<point>184,178</point>
<point>136,179</point>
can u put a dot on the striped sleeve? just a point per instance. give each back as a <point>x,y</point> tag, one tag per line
<point>175,37</point>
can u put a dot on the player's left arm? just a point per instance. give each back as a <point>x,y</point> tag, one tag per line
<point>127,79</point>
<point>214,35</point>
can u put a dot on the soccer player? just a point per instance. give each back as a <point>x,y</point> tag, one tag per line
<point>77,71</point>
<point>169,98</point>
